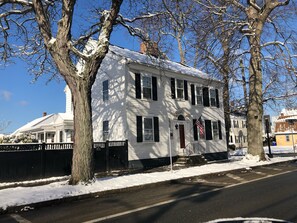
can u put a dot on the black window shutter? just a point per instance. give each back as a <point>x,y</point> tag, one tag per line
<point>155,91</point>
<point>186,90</point>
<point>156,129</point>
<point>217,98</point>
<point>137,85</point>
<point>205,97</point>
<point>139,136</point>
<point>193,94</point>
<point>172,88</point>
<point>195,132</point>
<point>208,129</point>
<point>220,130</point>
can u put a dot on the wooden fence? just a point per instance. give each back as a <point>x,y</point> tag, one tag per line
<point>20,162</point>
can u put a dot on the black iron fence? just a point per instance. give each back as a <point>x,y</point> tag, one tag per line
<point>20,162</point>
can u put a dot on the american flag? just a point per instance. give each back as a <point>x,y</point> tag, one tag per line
<point>200,127</point>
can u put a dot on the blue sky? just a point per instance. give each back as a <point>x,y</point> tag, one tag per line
<point>22,101</point>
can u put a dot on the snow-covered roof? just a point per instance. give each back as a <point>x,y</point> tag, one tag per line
<point>140,58</point>
<point>288,112</point>
<point>45,121</point>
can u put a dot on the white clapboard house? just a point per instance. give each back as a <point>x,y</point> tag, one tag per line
<point>156,105</point>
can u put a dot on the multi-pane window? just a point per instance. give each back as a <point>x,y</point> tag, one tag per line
<point>105,130</point>
<point>199,95</point>
<point>180,88</point>
<point>147,87</point>
<point>287,138</point>
<point>215,130</point>
<point>148,129</point>
<point>212,93</point>
<point>105,90</point>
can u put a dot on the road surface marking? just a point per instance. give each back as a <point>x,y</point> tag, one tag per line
<point>19,218</point>
<point>234,177</point>
<point>260,173</point>
<point>182,198</point>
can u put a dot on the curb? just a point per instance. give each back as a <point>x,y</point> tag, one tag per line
<point>27,207</point>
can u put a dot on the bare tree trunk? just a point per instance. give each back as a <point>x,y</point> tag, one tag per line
<point>82,161</point>
<point>180,48</point>
<point>244,84</point>
<point>255,107</point>
<point>226,98</point>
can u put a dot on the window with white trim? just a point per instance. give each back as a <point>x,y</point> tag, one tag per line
<point>215,130</point>
<point>199,95</point>
<point>146,87</point>
<point>213,100</point>
<point>148,129</point>
<point>179,89</point>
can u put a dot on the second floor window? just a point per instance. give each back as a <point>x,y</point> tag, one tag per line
<point>180,89</point>
<point>105,90</point>
<point>147,87</point>
<point>199,96</point>
<point>213,101</point>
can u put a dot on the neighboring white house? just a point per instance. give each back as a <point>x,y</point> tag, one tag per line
<point>238,130</point>
<point>51,128</point>
<point>156,104</point>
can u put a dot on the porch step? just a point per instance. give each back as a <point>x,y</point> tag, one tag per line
<point>190,160</point>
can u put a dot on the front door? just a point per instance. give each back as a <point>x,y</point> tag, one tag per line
<point>182,141</point>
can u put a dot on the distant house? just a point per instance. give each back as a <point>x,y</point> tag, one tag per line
<point>156,105</point>
<point>284,131</point>
<point>238,130</point>
<point>52,128</point>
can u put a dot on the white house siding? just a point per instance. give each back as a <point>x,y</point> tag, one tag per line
<point>238,131</point>
<point>114,109</point>
<point>168,110</point>
<point>123,108</point>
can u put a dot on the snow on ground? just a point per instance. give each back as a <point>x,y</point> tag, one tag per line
<point>19,195</point>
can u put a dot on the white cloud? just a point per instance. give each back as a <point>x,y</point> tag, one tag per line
<point>23,103</point>
<point>6,95</point>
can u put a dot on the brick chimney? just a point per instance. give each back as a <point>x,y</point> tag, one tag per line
<point>150,48</point>
<point>44,114</point>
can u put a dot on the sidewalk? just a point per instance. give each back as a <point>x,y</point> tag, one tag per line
<point>20,198</point>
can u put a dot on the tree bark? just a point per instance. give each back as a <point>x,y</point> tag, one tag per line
<point>82,161</point>
<point>255,106</point>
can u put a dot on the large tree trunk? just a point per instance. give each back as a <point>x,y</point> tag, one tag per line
<point>255,106</point>
<point>226,98</point>
<point>82,161</point>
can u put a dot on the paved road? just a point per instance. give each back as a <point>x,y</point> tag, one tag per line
<point>261,192</point>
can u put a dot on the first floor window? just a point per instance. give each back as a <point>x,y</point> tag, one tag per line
<point>148,129</point>
<point>105,130</point>
<point>215,130</point>
<point>61,136</point>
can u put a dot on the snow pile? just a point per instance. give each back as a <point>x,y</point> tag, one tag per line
<point>26,195</point>
<point>247,220</point>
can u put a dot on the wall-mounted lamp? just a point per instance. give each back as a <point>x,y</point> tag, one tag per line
<point>176,126</point>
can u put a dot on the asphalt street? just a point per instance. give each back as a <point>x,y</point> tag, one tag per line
<point>268,191</point>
